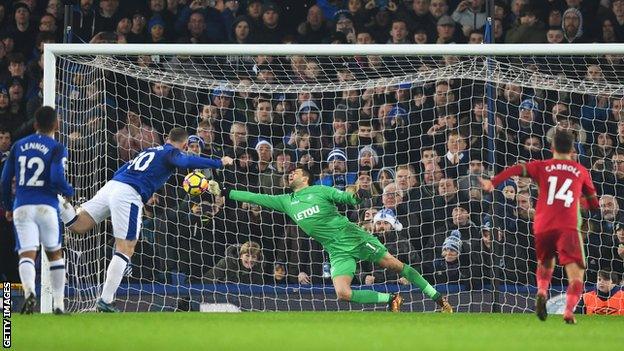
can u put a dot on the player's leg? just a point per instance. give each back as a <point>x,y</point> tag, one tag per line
<point>57,280</point>
<point>390,262</point>
<point>126,211</point>
<point>27,244</point>
<point>343,269</point>
<point>77,221</point>
<point>115,272</point>
<point>575,275</point>
<point>572,257</point>
<point>52,240</point>
<point>545,248</point>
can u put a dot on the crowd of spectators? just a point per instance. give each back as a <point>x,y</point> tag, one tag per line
<point>414,152</point>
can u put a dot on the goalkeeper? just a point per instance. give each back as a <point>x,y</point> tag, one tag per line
<point>313,208</point>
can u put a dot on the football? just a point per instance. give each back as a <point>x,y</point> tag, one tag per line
<point>195,183</point>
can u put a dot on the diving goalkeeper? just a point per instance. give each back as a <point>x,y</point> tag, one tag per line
<point>313,208</point>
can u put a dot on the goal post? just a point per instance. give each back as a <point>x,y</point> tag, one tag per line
<point>93,86</point>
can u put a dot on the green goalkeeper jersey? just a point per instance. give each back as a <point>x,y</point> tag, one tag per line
<point>314,210</point>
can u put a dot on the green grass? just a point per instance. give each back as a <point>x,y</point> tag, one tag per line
<point>313,331</point>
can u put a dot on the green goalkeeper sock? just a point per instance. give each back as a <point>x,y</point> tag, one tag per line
<point>415,278</point>
<point>369,296</point>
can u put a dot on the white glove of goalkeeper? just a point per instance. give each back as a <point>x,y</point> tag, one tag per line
<point>213,188</point>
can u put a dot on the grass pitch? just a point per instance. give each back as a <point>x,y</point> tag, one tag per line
<point>313,331</point>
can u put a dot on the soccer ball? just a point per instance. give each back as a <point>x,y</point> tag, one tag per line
<point>195,183</point>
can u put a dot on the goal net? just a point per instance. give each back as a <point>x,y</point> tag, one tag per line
<point>412,133</point>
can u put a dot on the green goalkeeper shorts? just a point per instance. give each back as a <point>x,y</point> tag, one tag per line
<point>344,262</point>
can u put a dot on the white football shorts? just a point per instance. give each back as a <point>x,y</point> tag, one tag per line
<point>35,225</point>
<point>122,203</point>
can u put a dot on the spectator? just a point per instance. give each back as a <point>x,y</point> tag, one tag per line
<point>446,30</point>
<point>554,35</point>
<point>156,28</point>
<point>455,161</point>
<point>241,31</point>
<point>134,137</point>
<point>601,248</point>
<point>266,166</point>
<point>313,30</point>
<point>205,130</point>
<point>388,229</point>
<point>529,29</point>
<point>8,256</point>
<point>607,299</point>
<point>453,263</point>
<point>237,139</point>
<point>470,15</point>
<point>137,32</point>
<point>106,17</point>
<point>270,32</point>
<point>336,174</point>
<point>475,37</point>
<point>572,25</point>
<point>22,31</point>
<point>83,19</point>
<point>241,264</point>
<point>399,34</point>
<point>202,24</point>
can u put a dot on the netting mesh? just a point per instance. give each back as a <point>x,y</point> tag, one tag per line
<point>411,134</point>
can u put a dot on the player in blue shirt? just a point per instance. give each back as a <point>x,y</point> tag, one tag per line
<point>122,199</point>
<point>37,162</point>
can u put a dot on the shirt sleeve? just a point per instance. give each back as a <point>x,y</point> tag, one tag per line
<point>516,170</point>
<point>274,202</point>
<point>8,172</point>
<point>341,197</point>
<point>57,172</point>
<point>590,192</point>
<point>181,160</point>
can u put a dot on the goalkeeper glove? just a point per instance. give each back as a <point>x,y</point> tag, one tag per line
<point>213,188</point>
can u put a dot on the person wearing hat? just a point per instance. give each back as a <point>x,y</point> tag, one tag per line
<point>156,29</point>
<point>344,25</point>
<point>455,263</point>
<point>446,31</point>
<point>266,166</point>
<point>270,31</point>
<point>195,144</point>
<point>22,30</point>
<point>389,231</point>
<point>336,174</point>
<point>368,159</point>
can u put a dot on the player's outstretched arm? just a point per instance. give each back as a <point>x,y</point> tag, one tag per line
<point>274,202</point>
<point>519,169</point>
<point>347,197</point>
<point>181,160</point>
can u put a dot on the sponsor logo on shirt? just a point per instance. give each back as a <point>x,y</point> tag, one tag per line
<point>307,213</point>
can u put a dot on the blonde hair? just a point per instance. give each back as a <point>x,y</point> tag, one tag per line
<point>251,248</point>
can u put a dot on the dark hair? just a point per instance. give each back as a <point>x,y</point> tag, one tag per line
<point>178,135</point>
<point>306,172</point>
<point>612,276</point>
<point>16,57</point>
<point>563,141</point>
<point>45,116</point>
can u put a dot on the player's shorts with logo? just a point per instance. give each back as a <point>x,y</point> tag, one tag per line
<point>122,203</point>
<point>362,247</point>
<point>35,225</point>
<point>567,245</point>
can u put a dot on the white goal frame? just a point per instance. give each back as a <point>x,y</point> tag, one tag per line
<point>51,51</point>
